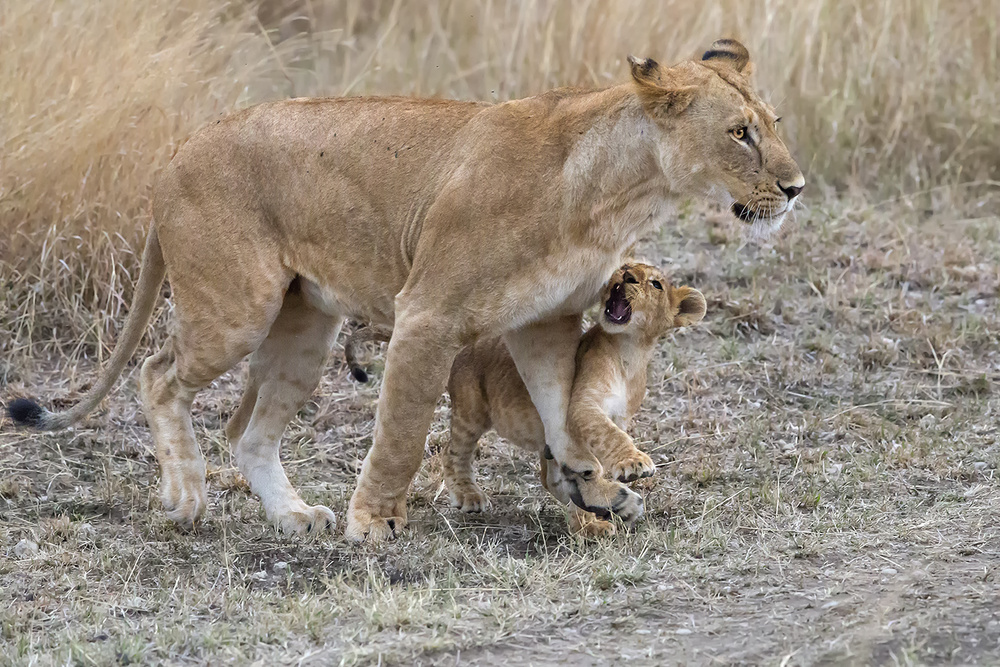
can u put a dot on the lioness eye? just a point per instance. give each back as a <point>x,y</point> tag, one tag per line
<point>657,285</point>
<point>739,133</point>
<point>629,278</point>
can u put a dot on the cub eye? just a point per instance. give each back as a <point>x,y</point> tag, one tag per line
<point>629,278</point>
<point>656,284</point>
<point>739,133</point>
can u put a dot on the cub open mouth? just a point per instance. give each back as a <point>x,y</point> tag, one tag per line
<point>618,310</point>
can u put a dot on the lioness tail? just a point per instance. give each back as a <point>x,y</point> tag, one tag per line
<point>26,412</point>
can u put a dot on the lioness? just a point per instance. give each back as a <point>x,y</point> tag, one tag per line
<point>277,221</point>
<point>640,306</point>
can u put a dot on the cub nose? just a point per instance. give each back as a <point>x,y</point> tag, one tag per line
<point>793,189</point>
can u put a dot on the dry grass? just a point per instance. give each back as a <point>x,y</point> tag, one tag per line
<point>827,441</point>
<point>887,97</point>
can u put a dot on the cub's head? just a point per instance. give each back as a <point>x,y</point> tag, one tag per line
<point>717,138</point>
<point>640,300</point>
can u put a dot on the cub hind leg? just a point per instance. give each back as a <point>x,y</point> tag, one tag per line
<point>469,420</point>
<point>284,372</point>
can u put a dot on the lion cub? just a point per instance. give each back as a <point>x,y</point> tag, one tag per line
<point>486,392</point>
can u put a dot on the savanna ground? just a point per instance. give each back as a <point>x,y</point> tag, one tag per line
<point>826,442</point>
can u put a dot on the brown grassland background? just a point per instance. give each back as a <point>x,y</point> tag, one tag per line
<point>826,441</point>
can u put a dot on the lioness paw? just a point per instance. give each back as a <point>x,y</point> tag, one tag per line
<point>604,498</point>
<point>307,520</point>
<point>363,527</point>
<point>183,492</point>
<point>627,505</point>
<point>469,499</point>
<point>633,466</point>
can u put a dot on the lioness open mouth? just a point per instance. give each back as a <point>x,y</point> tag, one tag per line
<point>746,214</point>
<point>618,310</point>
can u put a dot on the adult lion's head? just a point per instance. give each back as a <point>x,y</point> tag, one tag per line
<point>720,139</point>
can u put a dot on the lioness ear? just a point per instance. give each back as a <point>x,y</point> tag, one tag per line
<point>660,94</point>
<point>732,54</point>
<point>691,306</point>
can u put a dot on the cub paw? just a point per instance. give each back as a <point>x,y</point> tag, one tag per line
<point>633,466</point>
<point>469,498</point>
<point>587,526</point>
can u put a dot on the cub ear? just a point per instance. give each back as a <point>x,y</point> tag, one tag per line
<point>730,53</point>
<point>691,306</point>
<point>660,93</point>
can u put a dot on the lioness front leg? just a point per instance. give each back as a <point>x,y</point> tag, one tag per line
<point>416,369</point>
<point>545,356</point>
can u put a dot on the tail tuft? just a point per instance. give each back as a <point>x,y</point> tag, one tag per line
<point>25,412</point>
<point>359,374</point>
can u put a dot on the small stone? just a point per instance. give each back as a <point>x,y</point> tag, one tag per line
<point>280,566</point>
<point>25,549</point>
<point>682,631</point>
<point>979,465</point>
<point>889,571</point>
<point>259,576</point>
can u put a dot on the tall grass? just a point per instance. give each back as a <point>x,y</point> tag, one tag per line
<point>95,96</point>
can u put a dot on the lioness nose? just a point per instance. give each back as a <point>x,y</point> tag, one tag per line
<point>792,189</point>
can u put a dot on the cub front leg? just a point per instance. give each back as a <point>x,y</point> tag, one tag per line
<point>588,423</point>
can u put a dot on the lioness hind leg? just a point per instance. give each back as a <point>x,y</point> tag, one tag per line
<point>169,381</point>
<point>226,295</point>
<point>469,420</point>
<point>166,403</point>
<point>284,371</point>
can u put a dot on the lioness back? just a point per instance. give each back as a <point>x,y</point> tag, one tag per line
<point>307,171</point>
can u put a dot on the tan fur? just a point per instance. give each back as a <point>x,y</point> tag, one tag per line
<point>610,382</point>
<point>450,220</point>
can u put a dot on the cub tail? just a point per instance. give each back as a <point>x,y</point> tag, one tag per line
<point>372,333</point>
